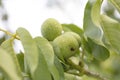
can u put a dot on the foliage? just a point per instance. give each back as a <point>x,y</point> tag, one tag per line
<point>90,53</point>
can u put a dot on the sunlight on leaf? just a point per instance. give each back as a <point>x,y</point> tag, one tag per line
<point>111,29</point>
<point>42,69</point>
<point>48,53</point>
<point>8,61</point>
<point>31,52</point>
<point>34,60</point>
<point>95,13</point>
<point>90,30</point>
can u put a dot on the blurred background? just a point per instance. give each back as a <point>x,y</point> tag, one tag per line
<point>30,14</point>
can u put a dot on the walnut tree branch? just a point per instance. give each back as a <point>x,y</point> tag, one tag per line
<point>83,71</point>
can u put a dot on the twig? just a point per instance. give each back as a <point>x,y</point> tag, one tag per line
<point>82,71</point>
<point>82,56</point>
<point>95,75</point>
<point>10,34</point>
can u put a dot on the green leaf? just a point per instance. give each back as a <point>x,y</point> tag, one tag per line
<point>111,29</point>
<point>8,61</point>
<point>30,48</point>
<point>59,68</point>
<point>90,30</point>
<point>73,28</point>
<point>99,52</point>
<point>95,12</point>
<point>32,56</point>
<point>48,53</point>
<point>42,71</point>
<point>87,46</point>
<point>20,57</point>
<point>2,39</point>
<point>1,76</point>
<point>116,3</point>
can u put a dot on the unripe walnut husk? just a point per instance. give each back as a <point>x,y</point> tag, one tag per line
<point>65,46</point>
<point>75,35</point>
<point>51,28</point>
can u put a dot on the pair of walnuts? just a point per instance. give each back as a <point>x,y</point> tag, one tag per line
<point>64,44</point>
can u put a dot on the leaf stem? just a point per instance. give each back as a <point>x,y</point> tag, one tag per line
<point>81,63</point>
<point>10,34</point>
<point>74,73</point>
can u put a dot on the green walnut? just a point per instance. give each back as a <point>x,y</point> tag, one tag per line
<point>75,35</point>
<point>65,46</point>
<point>51,28</point>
